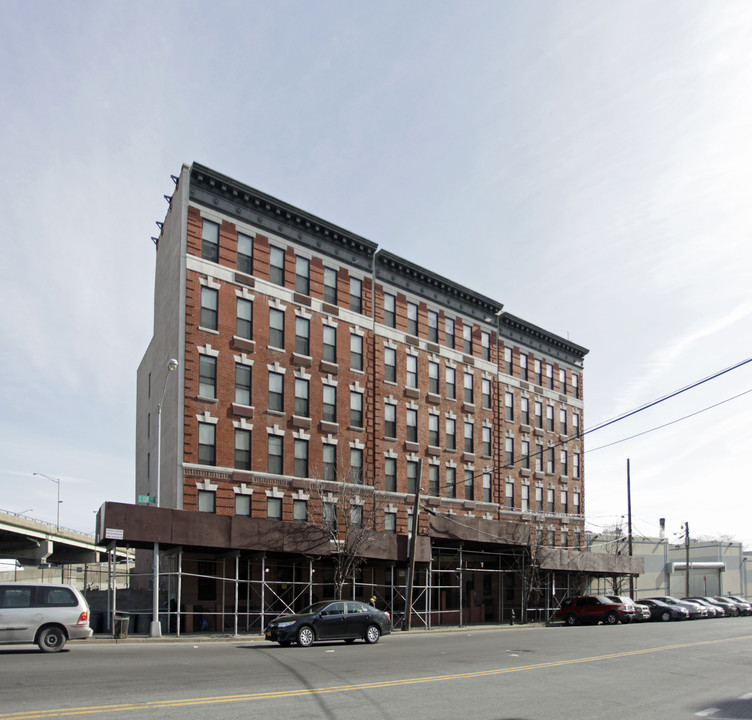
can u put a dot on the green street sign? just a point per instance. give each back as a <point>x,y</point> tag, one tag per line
<point>146,499</point>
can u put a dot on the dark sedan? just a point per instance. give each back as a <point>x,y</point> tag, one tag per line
<point>713,609</point>
<point>694,610</point>
<point>346,620</point>
<point>742,605</point>
<point>660,610</point>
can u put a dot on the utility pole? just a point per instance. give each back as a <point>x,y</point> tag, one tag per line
<point>406,621</point>
<point>629,527</point>
<point>686,549</point>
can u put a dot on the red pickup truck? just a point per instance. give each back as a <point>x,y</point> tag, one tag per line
<point>592,609</point>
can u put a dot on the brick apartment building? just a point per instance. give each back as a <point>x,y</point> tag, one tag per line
<point>317,370</point>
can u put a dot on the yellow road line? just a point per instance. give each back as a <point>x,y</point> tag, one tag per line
<point>184,702</point>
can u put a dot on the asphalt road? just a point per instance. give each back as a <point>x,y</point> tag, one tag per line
<point>653,670</point>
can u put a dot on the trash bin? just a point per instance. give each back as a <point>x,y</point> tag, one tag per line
<point>120,627</point>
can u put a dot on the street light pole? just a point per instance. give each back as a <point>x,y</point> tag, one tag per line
<point>57,482</point>
<point>156,629</point>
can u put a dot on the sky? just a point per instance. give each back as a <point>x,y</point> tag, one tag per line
<point>587,164</point>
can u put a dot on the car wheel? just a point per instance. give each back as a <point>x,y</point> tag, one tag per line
<point>571,620</point>
<point>372,634</point>
<point>51,640</point>
<point>305,636</point>
<point>612,618</point>
<point>665,616</point>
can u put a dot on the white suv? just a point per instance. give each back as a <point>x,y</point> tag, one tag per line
<point>42,613</point>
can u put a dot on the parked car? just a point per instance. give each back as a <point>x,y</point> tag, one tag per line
<point>642,612</point>
<point>742,605</point>
<point>42,613</point>
<point>629,606</point>
<point>592,609</point>
<point>705,611</point>
<point>713,609</point>
<point>731,608</point>
<point>660,610</point>
<point>346,620</point>
<point>694,610</point>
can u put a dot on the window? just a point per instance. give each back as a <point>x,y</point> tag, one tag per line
<point>412,477</point>
<point>210,241</point>
<point>329,341</point>
<point>411,371</point>
<point>411,431</point>
<point>469,440</point>
<point>451,434</point>
<point>302,275</point>
<point>433,377</point>
<point>576,385</point>
<point>301,397</point>
<point>550,500</point>
<point>467,339</point>
<point>207,376</point>
<point>449,332</point>
<point>509,495</point>
<point>562,381</point>
<point>389,310</point>
<point>276,391</point>
<point>525,504</point>
<point>469,482</point>
<point>207,501</point>
<point>550,418</point>
<point>242,449</point>
<point>242,504</point>
<point>538,371</point>
<point>274,508</point>
<point>564,502</point>
<point>485,387</point>
<point>433,326</point>
<point>433,479</point>
<point>300,510</point>
<point>356,352</point>
<point>564,537</point>
<point>508,360</point>
<point>485,441</point>
<point>451,482</point>
<point>356,466</point>
<point>538,457</point>
<point>412,319</point>
<point>468,387</point>
<point>356,409</point>
<point>302,336</point>
<point>245,254</point>
<point>576,503</point>
<point>450,383</point>
<point>539,499</point>
<point>390,522</point>
<point>244,319</point>
<point>525,454</point>
<point>524,411</point>
<point>576,464</point>
<point>563,421</point>
<point>485,346</point>
<point>329,457</point>
<point>330,285</point>
<point>300,450</point>
<point>390,474</point>
<point>330,516</point>
<point>509,451</point>
<point>539,415</point>
<point>209,302</point>
<point>552,538</point>
<point>563,461</point>
<point>509,406</point>
<point>277,265</point>
<point>276,328</point>
<point>390,420</point>
<point>433,430</point>
<point>356,515</point>
<point>390,364</point>
<point>486,487</point>
<point>207,444</point>
<point>523,367</point>
<point>274,454</point>
<point>243,384</point>
<point>550,461</point>
<point>356,291</point>
<point>329,403</point>
<point>550,376</point>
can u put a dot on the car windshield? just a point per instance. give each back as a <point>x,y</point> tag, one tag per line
<point>316,607</point>
<point>605,599</point>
